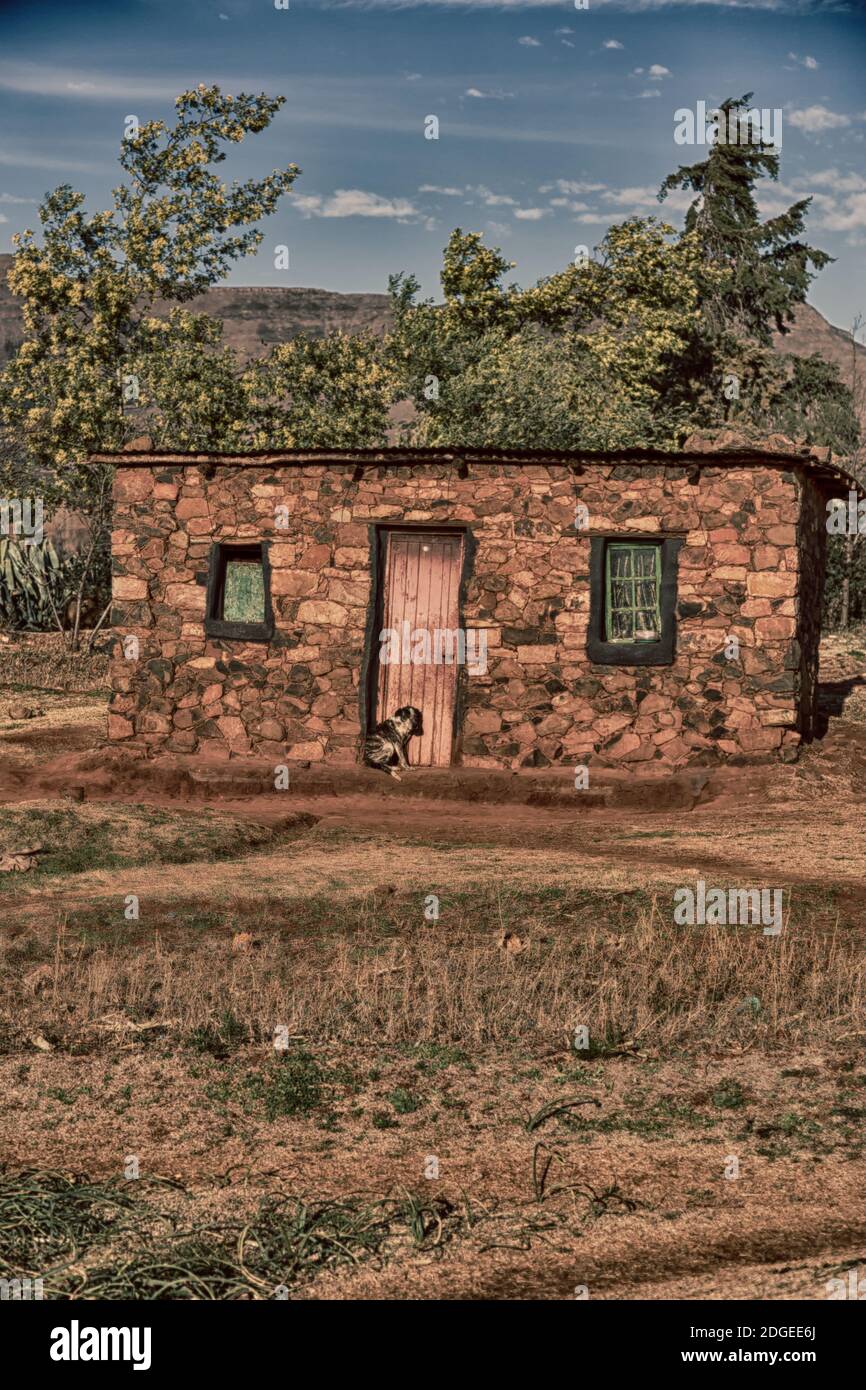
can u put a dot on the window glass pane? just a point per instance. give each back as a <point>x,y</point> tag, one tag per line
<point>632,593</point>
<point>645,626</point>
<point>621,593</point>
<point>645,593</point>
<point>645,560</point>
<point>620,627</point>
<point>620,561</point>
<point>244,594</point>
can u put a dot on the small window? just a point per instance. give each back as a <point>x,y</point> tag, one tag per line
<point>633,595</point>
<point>632,583</point>
<point>239,599</point>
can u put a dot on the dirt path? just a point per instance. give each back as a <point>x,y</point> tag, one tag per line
<point>608,853</point>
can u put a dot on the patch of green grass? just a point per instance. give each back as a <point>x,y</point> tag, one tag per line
<point>381,1119</point>
<point>111,837</point>
<point>660,1120</point>
<point>293,1085</point>
<point>729,1095</point>
<point>434,1057</point>
<point>404,1101</point>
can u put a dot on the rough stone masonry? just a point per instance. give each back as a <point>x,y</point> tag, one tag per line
<point>748,565</point>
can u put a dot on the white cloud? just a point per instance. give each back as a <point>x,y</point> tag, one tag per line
<point>354,202</point>
<point>678,200</point>
<point>805,62</point>
<point>844,218</point>
<point>495,95</point>
<point>570,186</point>
<point>611,43</point>
<point>40,79</point>
<point>630,197</point>
<point>657,72</point>
<point>530,214</point>
<point>832,178</point>
<point>13,198</point>
<point>650,92</point>
<point>841,208</point>
<point>443,192</point>
<point>2,218</point>
<point>529,42</point>
<point>490,199</point>
<point>815,119</point>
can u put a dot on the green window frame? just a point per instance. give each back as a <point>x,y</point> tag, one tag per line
<point>632,586</point>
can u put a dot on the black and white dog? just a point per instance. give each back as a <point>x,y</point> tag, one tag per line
<point>386,746</point>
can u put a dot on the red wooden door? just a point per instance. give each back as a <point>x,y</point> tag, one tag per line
<point>421,587</point>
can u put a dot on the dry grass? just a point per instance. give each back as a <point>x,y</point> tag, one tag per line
<point>639,981</point>
<point>41,661</point>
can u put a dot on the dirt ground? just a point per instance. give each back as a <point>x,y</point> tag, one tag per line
<point>707,1142</point>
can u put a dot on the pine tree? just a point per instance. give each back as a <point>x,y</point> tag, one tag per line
<point>768,265</point>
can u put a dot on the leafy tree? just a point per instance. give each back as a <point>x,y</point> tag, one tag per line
<point>583,355</point>
<point>93,357</point>
<point>313,392</point>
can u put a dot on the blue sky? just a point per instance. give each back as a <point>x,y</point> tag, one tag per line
<point>553,121</point>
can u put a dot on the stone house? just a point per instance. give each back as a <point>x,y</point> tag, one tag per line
<point>541,607</point>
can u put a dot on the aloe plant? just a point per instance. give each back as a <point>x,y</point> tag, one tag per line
<point>32,577</point>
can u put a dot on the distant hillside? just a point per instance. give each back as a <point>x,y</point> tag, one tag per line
<point>255,318</point>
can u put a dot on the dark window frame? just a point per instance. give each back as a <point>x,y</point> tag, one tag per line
<point>659,653</point>
<point>214,624</point>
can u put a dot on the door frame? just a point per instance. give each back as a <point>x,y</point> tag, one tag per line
<point>368,684</point>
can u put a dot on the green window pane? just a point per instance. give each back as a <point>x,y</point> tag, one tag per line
<point>633,579</point>
<point>244,594</point>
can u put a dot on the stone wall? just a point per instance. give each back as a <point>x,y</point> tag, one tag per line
<point>541,701</point>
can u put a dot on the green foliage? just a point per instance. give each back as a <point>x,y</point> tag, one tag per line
<point>96,366</point>
<point>767,268</point>
<point>580,359</point>
<point>292,1086</point>
<point>313,392</point>
<point>34,584</point>
<point>88,288</point>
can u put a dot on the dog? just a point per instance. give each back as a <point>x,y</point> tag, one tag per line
<point>385,747</point>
